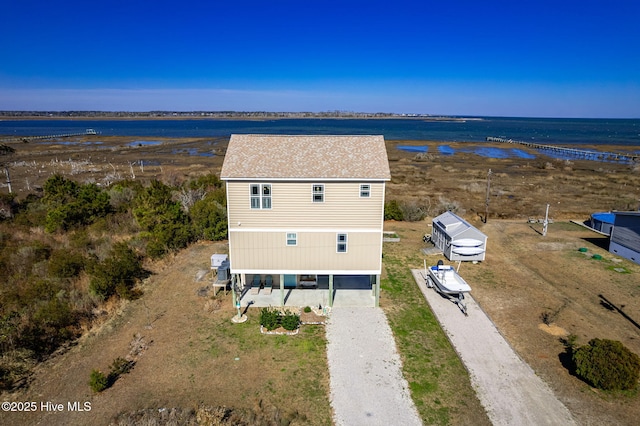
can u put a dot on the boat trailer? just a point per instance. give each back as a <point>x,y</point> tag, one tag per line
<point>455,297</point>
<point>458,298</point>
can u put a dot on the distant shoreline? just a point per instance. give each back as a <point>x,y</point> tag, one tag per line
<point>125,116</point>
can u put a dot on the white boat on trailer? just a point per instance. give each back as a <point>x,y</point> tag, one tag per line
<point>446,281</point>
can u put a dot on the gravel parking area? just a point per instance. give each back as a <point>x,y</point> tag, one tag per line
<point>507,387</point>
<point>367,386</point>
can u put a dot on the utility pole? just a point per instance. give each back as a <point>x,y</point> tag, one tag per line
<point>546,222</point>
<point>6,171</point>
<point>486,205</point>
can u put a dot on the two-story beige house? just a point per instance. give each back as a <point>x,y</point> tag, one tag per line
<point>306,212</point>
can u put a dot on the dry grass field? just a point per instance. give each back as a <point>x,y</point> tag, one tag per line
<point>536,289</point>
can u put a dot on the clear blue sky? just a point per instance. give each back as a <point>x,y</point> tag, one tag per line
<point>510,58</point>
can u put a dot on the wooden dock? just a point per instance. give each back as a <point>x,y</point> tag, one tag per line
<point>88,132</point>
<point>581,154</point>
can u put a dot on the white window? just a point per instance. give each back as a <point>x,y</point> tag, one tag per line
<point>341,243</point>
<point>255,196</point>
<point>365,191</point>
<point>292,239</point>
<point>266,196</point>
<point>260,196</point>
<point>318,193</point>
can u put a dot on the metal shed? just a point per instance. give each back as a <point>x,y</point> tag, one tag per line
<point>457,238</point>
<point>625,236</point>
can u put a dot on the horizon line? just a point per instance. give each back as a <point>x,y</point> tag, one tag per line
<point>256,113</point>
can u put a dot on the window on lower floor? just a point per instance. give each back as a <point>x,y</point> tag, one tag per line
<point>341,243</point>
<point>292,239</point>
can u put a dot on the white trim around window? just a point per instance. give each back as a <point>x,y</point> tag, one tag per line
<point>260,196</point>
<point>292,239</point>
<point>365,190</point>
<point>341,243</point>
<point>317,193</point>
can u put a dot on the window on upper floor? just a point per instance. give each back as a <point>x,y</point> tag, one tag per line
<point>266,196</point>
<point>365,191</point>
<point>255,196</point>
<point>341,243</point>
<point>292,239</point>
<point>318,193</point>
<point>260,195</point>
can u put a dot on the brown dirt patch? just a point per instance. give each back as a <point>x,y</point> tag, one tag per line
<point>553,330</point>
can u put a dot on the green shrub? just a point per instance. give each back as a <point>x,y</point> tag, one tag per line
<point>209,217</point>
<point>307,309</point>
<point>70,204</point>
<point>607,364</point>
<point>50,325</point>
<point>98,381</point>
<point>269,318</point>
<point>155,249</point>
<point>162,218</point>
<point>6,381</point>
<point>15,369</point>
<point>289,320</point>
<point>392,210</point>
<point>31,212</point>
<point>208,182</point>
<point>116,274</point>
<point>119,366</point>
<point>63,264</point>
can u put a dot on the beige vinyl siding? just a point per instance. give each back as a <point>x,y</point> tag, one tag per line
<point>292,206</point>
<point>315,251</point>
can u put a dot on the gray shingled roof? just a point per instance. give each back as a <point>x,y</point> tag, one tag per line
<point>306,157</point>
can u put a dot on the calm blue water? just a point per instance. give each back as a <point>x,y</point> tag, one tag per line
<point>489,152</point>
<point>547,131</point>
<point>413,148</point>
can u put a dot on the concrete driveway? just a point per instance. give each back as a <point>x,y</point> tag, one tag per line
<point>507,387</point>
<point>367,386</point>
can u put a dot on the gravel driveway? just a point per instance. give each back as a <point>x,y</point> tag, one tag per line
<point>507,387</point>
<point>367,386</point>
